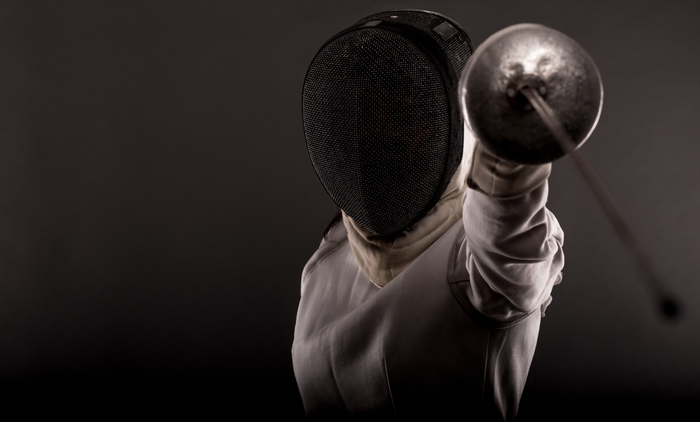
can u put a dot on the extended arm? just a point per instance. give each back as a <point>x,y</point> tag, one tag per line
<point>514,244</point>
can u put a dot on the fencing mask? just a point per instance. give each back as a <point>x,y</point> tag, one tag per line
<point>381,116</point>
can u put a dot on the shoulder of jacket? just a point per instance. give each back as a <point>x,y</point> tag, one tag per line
<point>335,239</point>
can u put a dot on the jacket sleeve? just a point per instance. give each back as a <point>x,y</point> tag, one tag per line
<point>514,244</point>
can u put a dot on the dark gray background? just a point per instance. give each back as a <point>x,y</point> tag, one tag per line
<point>157,204</point>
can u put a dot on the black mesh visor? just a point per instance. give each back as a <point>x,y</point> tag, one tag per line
<point>381,119</point>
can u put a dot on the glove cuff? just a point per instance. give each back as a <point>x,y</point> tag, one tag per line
<point>503,179</point>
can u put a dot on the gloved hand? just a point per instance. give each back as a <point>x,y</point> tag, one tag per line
<point>503,179</point>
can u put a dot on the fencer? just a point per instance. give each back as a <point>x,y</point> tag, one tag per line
<point>426,295</point>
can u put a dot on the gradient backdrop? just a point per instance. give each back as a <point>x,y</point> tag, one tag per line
<point>157,204</point>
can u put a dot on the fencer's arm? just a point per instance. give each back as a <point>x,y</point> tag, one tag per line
<point>514,244</point>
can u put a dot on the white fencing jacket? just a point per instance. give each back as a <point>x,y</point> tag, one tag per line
<point>454,333</point>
